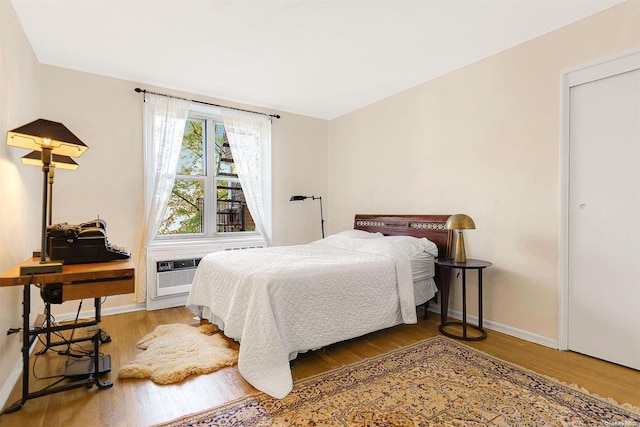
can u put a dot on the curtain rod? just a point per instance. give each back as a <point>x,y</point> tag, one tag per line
<point>277,116</point>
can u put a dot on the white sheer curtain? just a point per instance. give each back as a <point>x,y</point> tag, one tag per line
<point>249,137</point>
<point>165,118</point>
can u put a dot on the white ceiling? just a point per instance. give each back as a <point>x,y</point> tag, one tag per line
<point>317,58</point>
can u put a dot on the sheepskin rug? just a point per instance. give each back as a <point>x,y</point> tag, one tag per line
<point>175,351</point>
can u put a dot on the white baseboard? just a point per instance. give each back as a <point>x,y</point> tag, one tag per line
<point>168,301</point>
<point>103,312</point>
<point>13,377</point>
<point>495,326</point>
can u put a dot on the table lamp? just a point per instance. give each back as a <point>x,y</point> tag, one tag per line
<point>459,222</point>
<point>49,138</point>
<point>298,198</point>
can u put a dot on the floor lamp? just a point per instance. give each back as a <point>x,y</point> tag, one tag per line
<point>57,162</point>
<point>297,198</point>
<point>49,138</point>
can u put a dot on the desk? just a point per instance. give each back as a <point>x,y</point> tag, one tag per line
<point>77,281</point>
<point>470,264</point>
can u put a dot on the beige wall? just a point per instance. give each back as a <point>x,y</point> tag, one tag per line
<point>483,140</point>
<point>20,195</point>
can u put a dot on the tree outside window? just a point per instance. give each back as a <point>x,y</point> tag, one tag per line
<point>202,203</point>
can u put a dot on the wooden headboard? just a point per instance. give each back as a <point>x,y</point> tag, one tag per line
<point>429,226</point>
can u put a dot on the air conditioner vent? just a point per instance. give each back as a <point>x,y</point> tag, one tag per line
<point>244,247</point>
<point>173,265</point>
<point>175,276</point>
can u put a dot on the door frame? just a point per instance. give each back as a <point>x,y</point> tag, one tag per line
<point>574,76</point>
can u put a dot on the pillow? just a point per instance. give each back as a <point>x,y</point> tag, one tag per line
<point>349,239</point>
<point>421,252</point>
<point>359,234</point>
<point>413,246</point>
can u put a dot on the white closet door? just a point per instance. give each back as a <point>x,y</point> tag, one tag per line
<point>604,219</point>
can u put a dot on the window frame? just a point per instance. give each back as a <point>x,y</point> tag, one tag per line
<point>210,179</point>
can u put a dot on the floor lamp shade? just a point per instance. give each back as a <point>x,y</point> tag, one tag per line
<point>56,144</point>
<point>34,158</point>
<point>43,133</point>
<point>459,222</point>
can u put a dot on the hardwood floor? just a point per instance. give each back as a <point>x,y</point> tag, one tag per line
<point>142,403</point>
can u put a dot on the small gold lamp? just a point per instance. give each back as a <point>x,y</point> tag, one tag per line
<point>459,222</point>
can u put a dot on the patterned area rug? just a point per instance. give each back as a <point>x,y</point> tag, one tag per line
<point>436,382</point>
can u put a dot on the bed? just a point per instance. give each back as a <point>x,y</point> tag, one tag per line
<point>280,301</point>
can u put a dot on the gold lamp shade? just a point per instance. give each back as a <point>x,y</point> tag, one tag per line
<point>41,134</point>
<point>459,222</point>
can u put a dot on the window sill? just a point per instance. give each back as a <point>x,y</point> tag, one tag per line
<point>226,242</point>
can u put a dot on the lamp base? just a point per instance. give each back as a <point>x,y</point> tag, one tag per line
<point>37,267</point>
<point>461,255</point>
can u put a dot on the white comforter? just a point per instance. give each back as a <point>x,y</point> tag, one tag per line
<point>279,301</point>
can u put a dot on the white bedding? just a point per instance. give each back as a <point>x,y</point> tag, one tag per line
<point>280,301</point>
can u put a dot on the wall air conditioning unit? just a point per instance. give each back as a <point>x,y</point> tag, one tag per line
<point>171,268</point>
<point>175,276</point>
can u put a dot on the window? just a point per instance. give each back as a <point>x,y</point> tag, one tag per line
<point>207,199</point>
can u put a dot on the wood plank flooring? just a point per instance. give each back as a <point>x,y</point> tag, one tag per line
<point>142,403</point>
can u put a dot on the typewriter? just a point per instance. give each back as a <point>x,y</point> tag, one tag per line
<point>83,243</point>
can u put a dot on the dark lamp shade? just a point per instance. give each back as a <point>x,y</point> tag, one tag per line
<point>43,133</point>
<point>34,158</point>
<point>460,222</point>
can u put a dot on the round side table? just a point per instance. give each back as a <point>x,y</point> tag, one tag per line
<point>470,264</point>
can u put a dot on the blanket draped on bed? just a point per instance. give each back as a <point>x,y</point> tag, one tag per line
<point>280,301</point>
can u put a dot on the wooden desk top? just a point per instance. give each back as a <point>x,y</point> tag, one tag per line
<point>73,273</point>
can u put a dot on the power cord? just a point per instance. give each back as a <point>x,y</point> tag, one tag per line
<point>70,340</point>
<point>78,350</point>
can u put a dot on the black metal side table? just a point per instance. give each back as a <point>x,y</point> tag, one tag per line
<point>470,264</point>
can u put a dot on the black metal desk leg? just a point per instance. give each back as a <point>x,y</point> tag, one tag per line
<point>96,361</point>
<point>96,348</point>
<point>47,345</point>
<point>26,343</point>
